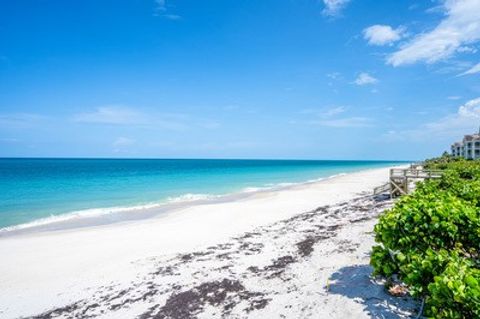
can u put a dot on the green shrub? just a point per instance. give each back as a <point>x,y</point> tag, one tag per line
<point>429,219</point>
<point>383,262</point>
<point>467,189</point>
<point>431,240</point>
<point>456,292</point>
<point>421,268</point>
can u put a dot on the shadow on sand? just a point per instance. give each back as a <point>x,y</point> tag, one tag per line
<point>354,282</point>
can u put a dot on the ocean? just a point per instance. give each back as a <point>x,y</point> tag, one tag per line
<point>40,191</point>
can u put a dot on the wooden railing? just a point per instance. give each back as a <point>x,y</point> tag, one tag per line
<point>415,173</point>
<point>402,181</point>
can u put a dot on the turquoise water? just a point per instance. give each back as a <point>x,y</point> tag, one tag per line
<point>33,189</point>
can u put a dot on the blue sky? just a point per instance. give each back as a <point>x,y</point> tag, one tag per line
<point>331,79</point>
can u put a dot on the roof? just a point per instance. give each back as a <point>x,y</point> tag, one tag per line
<point>471,137</point>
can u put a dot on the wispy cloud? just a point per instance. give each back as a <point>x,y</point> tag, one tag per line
<point>382,34</point>
<point>467,49</point>
<point>334,8</point>
<point>334,75</point>
<point>161,10</point>
<point>119,115</point>
<point>473,70</point>
<point>208,124</point>
<point>452,66</point>
<point>325,112</point>
<point>345,122</point>
<point>8,140</point>
<point>21,120</point>
<point>122,115</point>
<point>334,111</point>
<point>122,144</point>
<point>172,17</point>
<point>160,6</point>
<point>230,107</point>
<point>123,141</point>
<point>365,79</point>
<point>452,126</point>
<point>459,27</point>
<point>330,117</point>
<point>128,116</point>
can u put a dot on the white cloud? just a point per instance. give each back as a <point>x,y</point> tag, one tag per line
<point>452,126</point>
<point>364,79</point>
<point>473,70</point>
<point>334,7</point>
<point>471,109</point>
<point>460,27</point>
<point>382,34</point>
<point>345,122</point>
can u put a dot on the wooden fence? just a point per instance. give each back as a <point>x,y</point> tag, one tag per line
<point>403,181</point>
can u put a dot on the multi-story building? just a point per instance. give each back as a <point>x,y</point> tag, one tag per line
<point>468,148</point>
<point>457,149</point>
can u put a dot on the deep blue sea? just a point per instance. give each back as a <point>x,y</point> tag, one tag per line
<point>46,189</point>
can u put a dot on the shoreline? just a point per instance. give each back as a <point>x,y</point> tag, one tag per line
<point>113,215</point>
<point>50,269</point>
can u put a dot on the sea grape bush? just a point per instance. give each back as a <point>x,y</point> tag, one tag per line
<point>430,239</point>
<point>456,292</point>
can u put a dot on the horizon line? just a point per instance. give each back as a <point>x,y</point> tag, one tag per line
<point>194,158</point>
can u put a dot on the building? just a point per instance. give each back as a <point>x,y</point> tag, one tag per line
<point>468,148</point>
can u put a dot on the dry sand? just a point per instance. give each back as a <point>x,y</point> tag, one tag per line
<point>298,252</point>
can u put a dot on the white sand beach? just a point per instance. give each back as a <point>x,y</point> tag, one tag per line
<point>297,252</point>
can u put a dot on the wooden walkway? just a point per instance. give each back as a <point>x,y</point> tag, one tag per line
<point>403,181</point>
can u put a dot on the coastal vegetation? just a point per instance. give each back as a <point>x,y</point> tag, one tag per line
<point>430,240</point>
